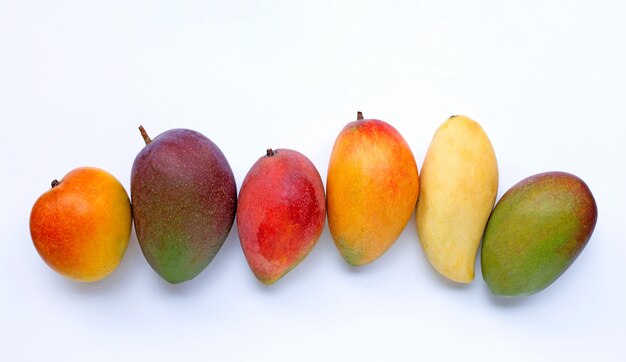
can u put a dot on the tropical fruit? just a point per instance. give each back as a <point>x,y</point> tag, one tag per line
<point>458,187</point>
<point>184,199</point>
<point>372,189</point>
<point>81,226</point>
<point>280,213</point>
<point>535,233</point>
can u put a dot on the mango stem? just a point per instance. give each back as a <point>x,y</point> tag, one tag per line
<point>54,183</point>
<point>359,115</point>
<point>144,134</point>
<point>269,152</point>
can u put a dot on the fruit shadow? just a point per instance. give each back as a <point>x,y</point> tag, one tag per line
<point>440,279</point>
<point>117,281</point>
<point>526,301</point>
<point>495,300</point>
<point>217,271</point>
<point>506,302</point>
<point>434,274</point>
<point>406,243</point>
<point>303,273</point>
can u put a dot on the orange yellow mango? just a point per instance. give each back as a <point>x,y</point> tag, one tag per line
<point>371,189</point>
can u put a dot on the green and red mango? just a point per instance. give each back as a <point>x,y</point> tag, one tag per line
<point>184,200</point>
<point>535,233</point>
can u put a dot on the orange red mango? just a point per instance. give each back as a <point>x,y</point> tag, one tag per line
<point>81,226</point>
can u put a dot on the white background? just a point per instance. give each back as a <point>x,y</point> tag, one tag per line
<point>546,79</point>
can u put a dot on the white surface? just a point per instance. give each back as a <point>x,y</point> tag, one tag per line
<point>546,79</point>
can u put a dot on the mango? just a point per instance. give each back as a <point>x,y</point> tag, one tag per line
<point>536,231</point>
<point>372,188</point>
<point>459,185</point>
<point>81,226</point>
<point>184,199</point>
<point>280,213</point>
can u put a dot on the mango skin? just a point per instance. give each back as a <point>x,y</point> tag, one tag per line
<point>535,233</point>
<point>81,227</point>
<point>184,200</point>
<point>372,189</point>
<point>459,185</point>
<point>280,213</point>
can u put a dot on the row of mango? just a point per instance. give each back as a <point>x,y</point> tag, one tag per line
<point>184,203</point>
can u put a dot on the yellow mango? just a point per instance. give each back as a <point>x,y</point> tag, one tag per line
<point>458,188</point>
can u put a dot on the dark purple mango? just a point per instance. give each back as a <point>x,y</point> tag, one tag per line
<point>184,199</point>
<point>535,233</point>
